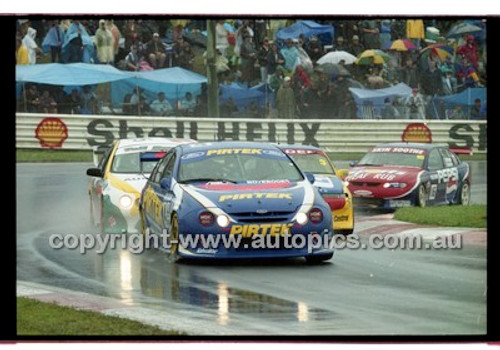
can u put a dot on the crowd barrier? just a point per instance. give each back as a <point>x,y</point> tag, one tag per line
<point>80,132</point>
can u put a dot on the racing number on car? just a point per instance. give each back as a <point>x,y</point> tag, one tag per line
<point>432,192</point>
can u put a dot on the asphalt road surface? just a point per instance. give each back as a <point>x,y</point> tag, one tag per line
<point>368,292</point>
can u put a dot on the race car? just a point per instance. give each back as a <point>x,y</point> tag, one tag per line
<point>243,190</point>
<point>118,179</point>
<point>397,175</point>
<point>334,190</point>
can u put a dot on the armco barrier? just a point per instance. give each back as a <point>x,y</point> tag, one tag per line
<point>64,131</point>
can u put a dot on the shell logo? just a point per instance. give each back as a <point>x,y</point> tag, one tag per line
<point>417,132</point>
<point>51,132</point>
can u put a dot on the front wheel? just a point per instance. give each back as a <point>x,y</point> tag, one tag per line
<point>464,194</point>
<point>174,236</point>
<point>421,196</point>
<point>318,259</point>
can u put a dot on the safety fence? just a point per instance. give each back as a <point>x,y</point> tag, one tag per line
<point>80,132</point>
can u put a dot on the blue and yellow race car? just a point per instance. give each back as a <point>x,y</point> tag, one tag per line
<point>235,200</point>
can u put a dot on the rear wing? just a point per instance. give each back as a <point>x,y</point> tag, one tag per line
<point>152,156</point>
<point>462,150</point>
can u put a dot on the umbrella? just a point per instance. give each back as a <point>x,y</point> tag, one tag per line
<point>400,45</point>
<point>368,57</point>
<point>334,70</point>
<point>440,50</point>
<point>336,56</point>
<point>463,28</point>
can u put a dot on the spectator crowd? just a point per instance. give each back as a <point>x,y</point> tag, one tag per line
<point>249,53</point>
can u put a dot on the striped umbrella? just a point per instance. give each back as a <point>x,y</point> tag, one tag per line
<point>440,50</point>
<point>373,57</point>
<point>400,45</point>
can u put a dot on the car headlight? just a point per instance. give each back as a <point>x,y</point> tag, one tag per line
<point>301,218</point>
<point>222,220</point>
<point>394,185</point>
<point>126,201</point>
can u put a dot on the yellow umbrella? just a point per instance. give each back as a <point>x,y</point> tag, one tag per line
<point>372,57</point>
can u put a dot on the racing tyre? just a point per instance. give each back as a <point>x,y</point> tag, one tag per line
<point>318,259</point>
<point>421,196</point>
<point>464,198</point>
<point>345,232</point>
<point>174,236</point>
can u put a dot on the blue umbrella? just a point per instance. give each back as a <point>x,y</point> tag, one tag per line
<point>463,28</point>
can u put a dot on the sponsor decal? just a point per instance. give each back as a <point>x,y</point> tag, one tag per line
<point>51,132</point>
<point>193,155</point>
<point>341,218</point>
<point>239,196</point>
<point>380,174</point>
<point>261,229</point>
<point>417,132</point>
<point>223,151</point>
<point>206,251</point>
<point>301,151</point>
<point>407,150</point>
<point>217,186</point>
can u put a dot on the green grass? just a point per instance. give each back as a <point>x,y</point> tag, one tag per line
<point>39,318</point>
<point>47,155</point>
<point>450,216</point>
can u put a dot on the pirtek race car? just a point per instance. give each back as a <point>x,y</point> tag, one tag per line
<point>406,174</point>
<point>333,189</point>
<point>117,181</point>
<point>239,189</point>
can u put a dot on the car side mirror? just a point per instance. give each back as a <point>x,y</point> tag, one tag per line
<point>353,163</point>
<point>165,183</point>
<point>310,177</point>
<point>96,172</point>
<point>342,173</point>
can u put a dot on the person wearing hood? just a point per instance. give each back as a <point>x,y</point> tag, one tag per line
<point>470,51</point>
<point>53,41</point>
<point>104,43</point>
<point>290,53</point>
<point>285,100</point>
<point>29,42</point>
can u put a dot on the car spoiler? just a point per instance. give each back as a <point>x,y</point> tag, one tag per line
<point>462,150</point>
<point>152,156</point>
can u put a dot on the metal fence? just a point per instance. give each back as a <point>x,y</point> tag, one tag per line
<point>80,132</point>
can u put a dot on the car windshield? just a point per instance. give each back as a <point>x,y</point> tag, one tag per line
<point>393,158</point>
<point>235,166</point>
<point>315,163</point>
<point>130,163</point>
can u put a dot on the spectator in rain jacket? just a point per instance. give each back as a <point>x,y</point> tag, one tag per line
<point>274,59</point>
<point>408,74</point>
<point>470,52</point>
<point>415,105</point>
<point>285,101</point>
<point>314,49</point>
<point>290,54</point>
<point>53,41</point>
<point>104,43</point>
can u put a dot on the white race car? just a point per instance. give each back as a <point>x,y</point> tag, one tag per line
<point>117,181</point>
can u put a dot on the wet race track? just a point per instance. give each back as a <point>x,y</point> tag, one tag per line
<point>367,291</point>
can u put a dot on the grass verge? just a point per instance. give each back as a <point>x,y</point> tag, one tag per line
<point>39,318</point>
<point>49,155</point>
<point>450,216</point>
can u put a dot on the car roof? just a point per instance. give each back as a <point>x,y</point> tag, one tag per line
<point>425,146</point>
<point>305,147</point>
<point>147,141</point>
<point>204,146</point>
